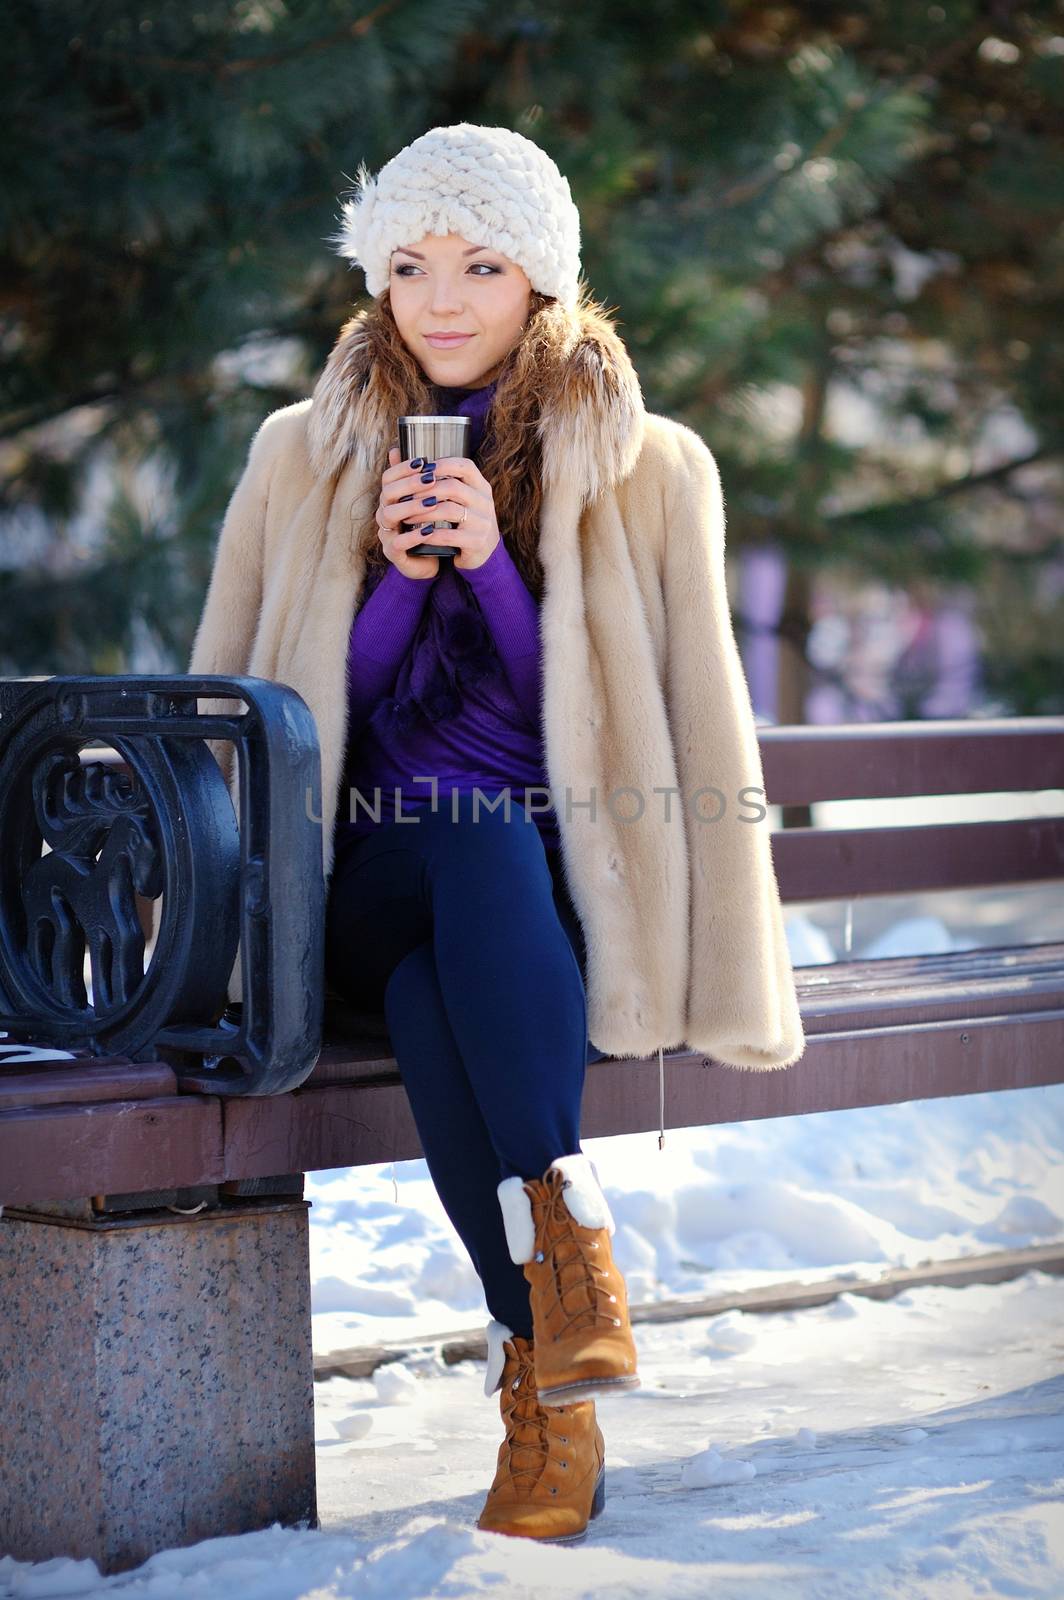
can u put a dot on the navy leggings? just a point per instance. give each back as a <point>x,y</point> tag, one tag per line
<point>461,931</point>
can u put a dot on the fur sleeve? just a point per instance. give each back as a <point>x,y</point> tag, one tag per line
<point>231,609</point>
<point>742,1004</point>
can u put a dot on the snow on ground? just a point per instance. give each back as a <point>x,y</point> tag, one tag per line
<point>911,1447</point>
<point>719,1208</point>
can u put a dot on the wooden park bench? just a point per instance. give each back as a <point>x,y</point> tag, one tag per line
<point>153,1143</point>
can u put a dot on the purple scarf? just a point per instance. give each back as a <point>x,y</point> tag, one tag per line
<point>453,648</point>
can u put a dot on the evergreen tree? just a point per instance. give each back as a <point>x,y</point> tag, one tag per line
<point>830,235</point>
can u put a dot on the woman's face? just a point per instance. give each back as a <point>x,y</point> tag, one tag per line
<point>444,284</point>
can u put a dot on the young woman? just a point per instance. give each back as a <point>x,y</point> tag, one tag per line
<point>517,744</point>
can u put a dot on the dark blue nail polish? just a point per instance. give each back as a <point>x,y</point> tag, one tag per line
<point>417,463</point>
<point>428,500</point>
<point>429,465</point>
<point>428,477</point>
<point>427,527</point>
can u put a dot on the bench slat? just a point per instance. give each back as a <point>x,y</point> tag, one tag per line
<point>1038,959</point>
<point>892,760</point>
<point>866,994</point>
<point>63,1152</point>
<point>846,863</point>
<point>340,1124</point>
<point>131,1146</point>
<point>45,1084</point>
<point>839,1070</point>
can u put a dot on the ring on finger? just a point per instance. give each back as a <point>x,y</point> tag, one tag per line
<point>438,509</point>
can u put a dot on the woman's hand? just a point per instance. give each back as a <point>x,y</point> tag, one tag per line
<point>399,484</point>
<point>462,492</point>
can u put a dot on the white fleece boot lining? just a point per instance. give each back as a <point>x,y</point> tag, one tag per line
<point>497,1333</point>
<point>517,1218</point>
<point>584,1196</point>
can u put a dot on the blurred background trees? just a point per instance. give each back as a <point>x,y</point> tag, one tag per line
<point>831,235</point>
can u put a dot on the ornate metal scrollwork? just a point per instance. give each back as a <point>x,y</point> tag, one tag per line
<point>80,839</point>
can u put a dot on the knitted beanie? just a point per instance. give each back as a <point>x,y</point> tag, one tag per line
<point>491,185</point>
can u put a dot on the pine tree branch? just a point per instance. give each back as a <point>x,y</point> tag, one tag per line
<point>53,406</point>
<point>740,194</point>
<point>146,393</point>
<point>244,64</point>
<point>973,480</point>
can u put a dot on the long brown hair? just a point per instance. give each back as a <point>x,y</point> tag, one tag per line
<point>511,457</point>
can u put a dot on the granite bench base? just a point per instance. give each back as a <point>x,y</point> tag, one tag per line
<point>156,1377</point>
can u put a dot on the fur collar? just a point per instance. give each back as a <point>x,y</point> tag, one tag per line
<point>591,424</point>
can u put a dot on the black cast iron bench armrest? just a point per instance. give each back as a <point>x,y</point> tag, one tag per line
<point>163,825</point>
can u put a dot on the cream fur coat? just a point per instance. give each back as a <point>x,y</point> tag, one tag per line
<point>646,709</point>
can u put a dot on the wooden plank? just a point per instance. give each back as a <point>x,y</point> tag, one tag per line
<point>1038,964</point>
<point>998,1266</point>
<point>890,760</point>
<point>63,1152</point>
<point>845,863</point>
<point>122,1146</point>
<point>83,1083</point>
<point>125,1144</point>
<point>343,1124</point>
<point>886,992</point>
<point>335,1124</point>
<point>879,1066</point>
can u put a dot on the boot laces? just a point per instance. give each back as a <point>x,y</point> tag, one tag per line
<point>557,1226</point>
<point>523,1407</point>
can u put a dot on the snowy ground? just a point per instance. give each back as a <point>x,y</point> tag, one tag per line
<point>729,1207</point>
<point>911,1447</point>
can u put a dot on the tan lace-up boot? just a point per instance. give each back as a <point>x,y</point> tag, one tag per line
<point>550,1479</point>
<point>558,1227</point>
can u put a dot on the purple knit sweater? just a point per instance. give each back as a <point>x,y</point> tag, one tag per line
<point>444,681</point>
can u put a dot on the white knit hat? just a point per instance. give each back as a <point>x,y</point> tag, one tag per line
<point>491,185</point>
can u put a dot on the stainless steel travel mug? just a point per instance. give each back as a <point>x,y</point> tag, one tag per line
<point>433,438</point>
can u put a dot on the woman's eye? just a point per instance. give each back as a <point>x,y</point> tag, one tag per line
<point>407,267</point>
